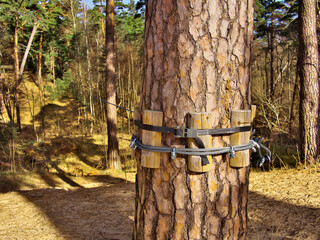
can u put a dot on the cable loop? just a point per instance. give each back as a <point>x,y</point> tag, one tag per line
<point>192,151</point>
<point>132,143</point>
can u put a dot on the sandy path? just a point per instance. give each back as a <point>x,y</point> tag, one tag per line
<point>282,205</point>
<point>104,212</point>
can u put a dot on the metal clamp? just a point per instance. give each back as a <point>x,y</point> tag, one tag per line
<point>133,143</point>
<point>173,153</point>
<point>186,132</point>
<point>232,153</point>
<point>255,145</point>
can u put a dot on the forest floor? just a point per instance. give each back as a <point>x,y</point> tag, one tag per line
<point>283,204</point>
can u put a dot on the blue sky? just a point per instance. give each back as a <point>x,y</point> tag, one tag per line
<point>90,4</point>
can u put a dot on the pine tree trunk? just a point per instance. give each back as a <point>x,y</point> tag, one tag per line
<point>112,125</point>
<point>16,73</point>
<point>197,56</point>
<point>294,93</point>
<point>272,59</point>
<point>309,90</point>
<point>89,77</point>
<point>19,71</point>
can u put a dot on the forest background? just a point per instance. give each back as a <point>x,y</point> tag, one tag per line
<point>53,82</point>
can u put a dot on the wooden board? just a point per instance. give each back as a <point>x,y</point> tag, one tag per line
<point>151,159</point>
<point>240,118</point>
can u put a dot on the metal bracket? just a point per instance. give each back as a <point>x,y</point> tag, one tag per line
<point>173,153</point>
<point>232,153</point>
<point>133,143</point>
<point>186,132</point>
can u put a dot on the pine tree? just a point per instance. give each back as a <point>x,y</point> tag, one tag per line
<point>112,125</point>
<point>197,59</point>
<point>309,80</point>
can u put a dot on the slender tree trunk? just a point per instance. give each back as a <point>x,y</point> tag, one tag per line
<point>112,125</point>
<point>88,68</point>
<point>272,60</point>
<point>2,92</point>
<point>197,59</point>
<point>294,94</point>
<point>25,55</point>
<point>102,23</point>
<point>16,74</point>
<point>309,82</point>
<point>74,20</point>
<point>267,84</point>
<point>15,54</point>
<point>31,110</point>
<point>40,67</point>
<point>41,90</point>
<point>19,71</point>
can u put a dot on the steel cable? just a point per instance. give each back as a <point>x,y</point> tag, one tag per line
<point>135,143</point>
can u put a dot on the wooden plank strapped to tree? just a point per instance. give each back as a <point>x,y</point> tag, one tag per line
<point>199,121</point>
<point>135,118</point>
<point>241,118</point>
<point>151,159</point>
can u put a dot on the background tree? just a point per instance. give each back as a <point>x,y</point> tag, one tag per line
<point>197,58</point>
<point>112,125</point>
<point>269,22</point>
<point>18,15</point>
<point>309,80</point>
<point>276,112</point>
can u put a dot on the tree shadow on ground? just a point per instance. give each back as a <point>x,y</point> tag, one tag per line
<point>56,120</point>
<point>61,174</point>
<point>61,125</point>
<point>106,212</point>
<point>11,182</point>
<point>274,219</point>
<point>83,148</point>
<point>89,213</point>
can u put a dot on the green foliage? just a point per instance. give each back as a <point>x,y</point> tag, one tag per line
<point>18,13</point>
<point>61,86</point>
<point>130,25</point>
<point>269,16</point>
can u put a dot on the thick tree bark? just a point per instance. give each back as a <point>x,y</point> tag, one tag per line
<point>112,125</point>
<point>309,82</point>
<point>197,56</point>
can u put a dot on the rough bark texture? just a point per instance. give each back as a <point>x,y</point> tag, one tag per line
<point>309,89</point>
<point>112,125</point>
<point>197,56</point>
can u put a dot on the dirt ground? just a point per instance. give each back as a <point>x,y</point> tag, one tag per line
<point>282,205</point>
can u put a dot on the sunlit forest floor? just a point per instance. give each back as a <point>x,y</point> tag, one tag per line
<point>63,192</point>
<point>282,205</point>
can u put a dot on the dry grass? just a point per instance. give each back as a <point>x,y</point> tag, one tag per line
<point>63,143</point>
<point>285,204</point>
